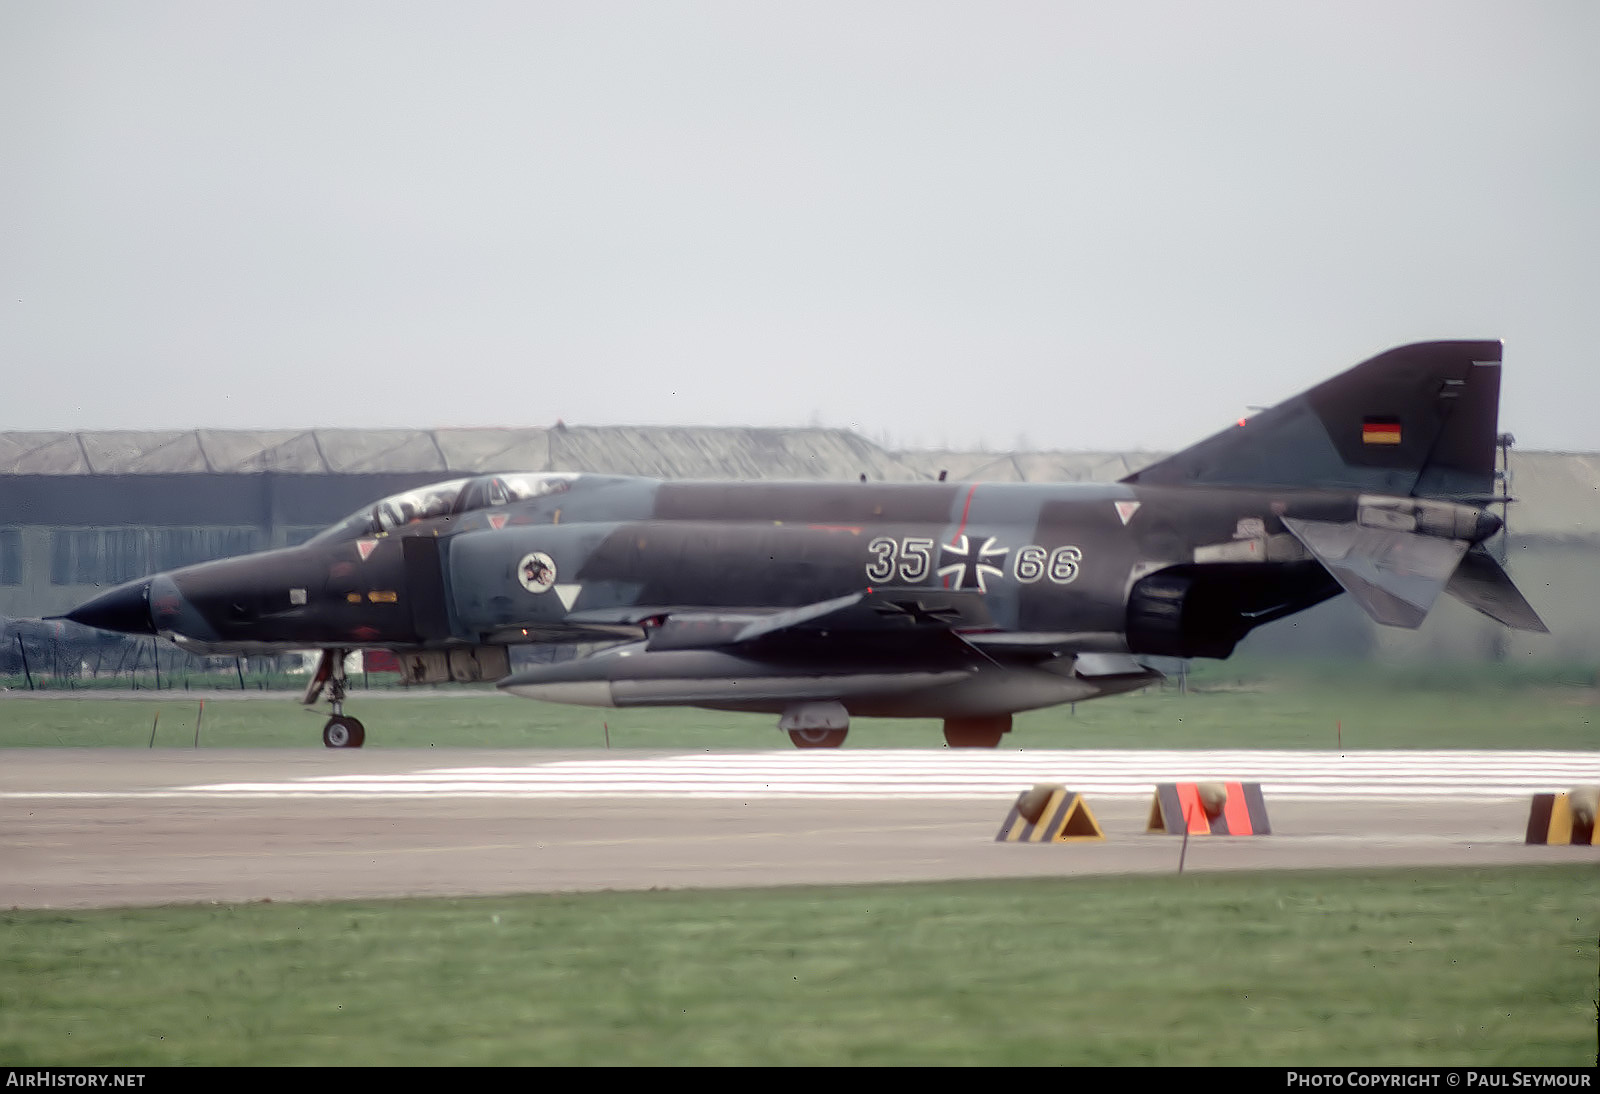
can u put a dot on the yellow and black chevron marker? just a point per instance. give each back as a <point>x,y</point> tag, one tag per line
<point>1209,809</point>
<point>1049,813</point>
<point>1563,818</point>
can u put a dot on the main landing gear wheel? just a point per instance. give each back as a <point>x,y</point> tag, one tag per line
<point>343,732</point>
<point>976,732</point>
<point>817,738</point>
<point>816,725</point>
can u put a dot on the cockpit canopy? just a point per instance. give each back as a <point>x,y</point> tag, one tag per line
<point>444,499</point>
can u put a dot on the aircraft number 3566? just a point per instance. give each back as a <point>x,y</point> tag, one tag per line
<point>912,559</point>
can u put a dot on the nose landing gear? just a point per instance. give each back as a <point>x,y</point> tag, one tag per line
<point>340,731</point>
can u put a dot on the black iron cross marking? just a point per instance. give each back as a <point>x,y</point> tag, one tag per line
<point>974,564</point>
<point>920,615</point>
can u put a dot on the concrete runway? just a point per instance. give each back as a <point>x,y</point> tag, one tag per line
<point>104,827</point>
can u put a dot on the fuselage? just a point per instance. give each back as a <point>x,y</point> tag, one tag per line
<point>984,598</point>
<point>601,556</point>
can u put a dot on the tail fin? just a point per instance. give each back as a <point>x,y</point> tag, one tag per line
<point>1417,420</point>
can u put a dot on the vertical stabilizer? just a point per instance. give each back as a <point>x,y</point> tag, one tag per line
<point>1420,419</point>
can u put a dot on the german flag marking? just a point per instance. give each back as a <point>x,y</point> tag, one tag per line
<point>1380,431</point>
<point>1065,818</point>
<point>1552,820</point>
<point>1180,807</point>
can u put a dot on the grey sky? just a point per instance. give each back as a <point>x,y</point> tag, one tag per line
<point>1069,225</point>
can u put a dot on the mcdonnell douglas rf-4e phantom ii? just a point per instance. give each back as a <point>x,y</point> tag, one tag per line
<point>819,601</point>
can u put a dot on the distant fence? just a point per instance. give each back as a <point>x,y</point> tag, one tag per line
<point>56,656</point>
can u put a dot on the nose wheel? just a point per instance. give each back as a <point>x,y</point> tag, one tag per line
<point>344,732</point>
<point>340,731</point>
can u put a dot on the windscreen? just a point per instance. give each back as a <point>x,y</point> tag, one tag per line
<point>445,499</point>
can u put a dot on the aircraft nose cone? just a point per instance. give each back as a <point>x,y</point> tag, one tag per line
<point>125,608</point>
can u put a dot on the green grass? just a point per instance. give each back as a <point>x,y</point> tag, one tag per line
<point>1321,705</point>
<point>1414,967</point>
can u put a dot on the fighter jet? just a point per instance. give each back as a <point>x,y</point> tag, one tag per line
<point>817,602</point>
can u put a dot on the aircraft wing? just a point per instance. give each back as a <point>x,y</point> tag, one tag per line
<point>917,614</point>
<point>878,611</point>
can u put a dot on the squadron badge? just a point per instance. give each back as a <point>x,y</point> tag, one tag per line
<point>536,571</point>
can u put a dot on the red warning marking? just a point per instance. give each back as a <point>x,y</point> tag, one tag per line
<point>965,509</point>
<point>381,661</point>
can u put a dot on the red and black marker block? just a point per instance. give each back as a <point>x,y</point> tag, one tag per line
<point>1180,806</point>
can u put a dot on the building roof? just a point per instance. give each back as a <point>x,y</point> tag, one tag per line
<point>672,452</point>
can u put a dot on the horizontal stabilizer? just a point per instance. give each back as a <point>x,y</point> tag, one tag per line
<point>1395,576</point>
<point>1479,582</point>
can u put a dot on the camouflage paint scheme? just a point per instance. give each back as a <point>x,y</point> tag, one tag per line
<point>820,601</point>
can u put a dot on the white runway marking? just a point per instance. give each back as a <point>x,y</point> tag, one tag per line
<point>944,774</point>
